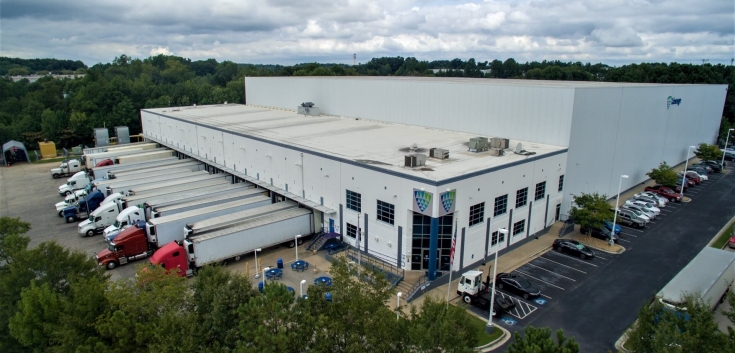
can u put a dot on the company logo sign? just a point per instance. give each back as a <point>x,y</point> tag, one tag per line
<point>422,201</point>
<point>672,101</point>
<point>447,200</point>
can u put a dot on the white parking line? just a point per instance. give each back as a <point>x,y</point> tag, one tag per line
<point>527,275</point>
<point>630,235</point>
<point>633,229</point>
<point>561,264</point>
<point>573,258</point>
<point>621,239</point>
<point>552,272</point>
<point>546,296</point>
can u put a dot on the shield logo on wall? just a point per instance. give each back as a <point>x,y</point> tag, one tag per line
<point>447,200</point>
<point>422,201</point>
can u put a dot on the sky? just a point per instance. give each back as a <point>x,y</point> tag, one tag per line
<point>614,32</point>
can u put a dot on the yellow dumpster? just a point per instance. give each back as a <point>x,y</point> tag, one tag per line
<point>48,149</point>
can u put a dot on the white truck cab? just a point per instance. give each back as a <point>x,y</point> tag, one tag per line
<point>70,200</point>
<point>99,219</point>
<point>76,182</point>
<point>471,283</point>
<point>126,218</point>
<point>67,167</point>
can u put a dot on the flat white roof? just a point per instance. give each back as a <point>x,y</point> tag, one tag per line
<point>488,81</point>
<point>378,144</point>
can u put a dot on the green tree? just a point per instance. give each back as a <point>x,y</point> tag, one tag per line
<point>591,210</point>
<point>539,340</point>
<point>438,328</point>
<point>11,240</point>
<point>707,152</point>
<point>664,175</point>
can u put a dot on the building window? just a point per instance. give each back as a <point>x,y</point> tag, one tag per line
<point>354,201</point>
<point>501,205</point>
<point>477,213</point>
<point>561,183</point>
<point>421,240</point>
<point>519,227</point>
<point>497,237</point>
<point>540,190</point>
<point>386,212</point>
<point>351,231</point>
<point>521,197</point>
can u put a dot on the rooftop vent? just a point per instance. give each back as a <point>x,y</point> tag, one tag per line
<point>308,108</point>
<point>497,142</point>
<point>439,153</point>
<point>521,151</point>
<point>307,104</point>
<point>415,160</point>
<point>478,144</point>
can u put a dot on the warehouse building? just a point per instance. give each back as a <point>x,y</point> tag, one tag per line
<point>408,162</point>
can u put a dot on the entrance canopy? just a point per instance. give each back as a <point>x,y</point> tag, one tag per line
<point>14,151</point>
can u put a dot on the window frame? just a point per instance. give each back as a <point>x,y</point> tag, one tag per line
<point>543,191</point>
<point>386,213</point>
<point>477,217</point>
<point>523,197</point>
<point>504,204</point>
<point>518,230</point>
<point>347,232</point>
<point>561,183</point>
<point>351,200</point>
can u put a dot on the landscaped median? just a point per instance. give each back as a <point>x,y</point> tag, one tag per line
<point>597,244</point>
<point>485,342</point>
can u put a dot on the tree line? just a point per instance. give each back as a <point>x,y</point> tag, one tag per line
<point>111,94</point>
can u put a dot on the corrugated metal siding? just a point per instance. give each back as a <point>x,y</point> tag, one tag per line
<point>630,130</point>
<point>540,114</point>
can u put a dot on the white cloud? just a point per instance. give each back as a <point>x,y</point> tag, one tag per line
<point>290,31</point>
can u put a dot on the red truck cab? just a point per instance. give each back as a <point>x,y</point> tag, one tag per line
<point>104,162</point>
<point>172,257</point>
<point>130,245</point>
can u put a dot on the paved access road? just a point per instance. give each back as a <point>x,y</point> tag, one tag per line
<point>605,303</point>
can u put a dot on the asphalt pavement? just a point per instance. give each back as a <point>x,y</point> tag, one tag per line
<point>598,307</point>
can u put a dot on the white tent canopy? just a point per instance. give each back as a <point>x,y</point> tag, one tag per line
<point>12,149</point>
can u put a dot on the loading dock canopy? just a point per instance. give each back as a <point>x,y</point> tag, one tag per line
<point>11,153</point>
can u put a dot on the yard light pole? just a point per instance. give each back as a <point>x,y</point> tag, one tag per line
<point>615,217</point>
<point>265,269</point>
<point>257,272</point>
<point>723,152</point>
<point>296,243</point>
<point>686,165</point>
<point>301,288</point>
<point>398,303</point>
<point>489,327</point>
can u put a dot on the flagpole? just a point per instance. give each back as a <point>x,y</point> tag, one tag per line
<point>451,260</point>
<point>359,238</point>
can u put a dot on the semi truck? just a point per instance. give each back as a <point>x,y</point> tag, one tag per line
<point>91,159</point>
<point>71,200</point>
<point>77,181</point>
<point>230,243</point>
<point>163,230</point>
<point>145,175</point>
<point>127,217</point>
<point>141,179</point>
<point>478,293</point>
<point>136,243</point>
<point>101,172</point>
<point>86,204</point>
<point>147,156</point>
<point>92,150</point>
<point>100,218</point>
<point>192,165</point>
<point>176,207</point>
<point>709,275</point>
<point>66,168</point>
<point>190,195</point>
<point>141,198</point>
<point>132,188</point>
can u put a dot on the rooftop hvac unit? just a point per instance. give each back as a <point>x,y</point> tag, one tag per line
<point>415,160</point>
<point>308,108</point>
<point>497,152</point>
<point>439,153</point>
<point>478,144</point>
<point>101,137</point>
<point>497,142</point>
<point>123,134</point>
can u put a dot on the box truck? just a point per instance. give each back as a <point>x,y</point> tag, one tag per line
<point>709,275</point>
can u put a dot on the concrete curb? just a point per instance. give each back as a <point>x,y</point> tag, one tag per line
<point>722,231</point>
<point>607,251</point>
<point>500,341</point>
<point>624,338</point>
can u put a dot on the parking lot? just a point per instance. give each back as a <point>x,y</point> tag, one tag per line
<point>581,296</point>
<point>27,191</point>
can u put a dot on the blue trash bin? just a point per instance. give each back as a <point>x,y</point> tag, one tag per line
<point>260,286</point>
<point>328,296</point>
<point>279,263</point>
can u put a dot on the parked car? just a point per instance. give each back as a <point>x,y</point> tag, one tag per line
<point>640,212</point>
<point>630,219</point>
<point>700,172</point>
<point>608,226</point>
<point>686,183</point>
<point>517,284</point>
<point>599,233</point>
<point>666,192</point>
<point>655,196</point>
<point>715,166</point>
<point>573,247</point>
<point>731,242</point>
<point>656,201</point>
<point>645,205</point>
<point>691,176</point>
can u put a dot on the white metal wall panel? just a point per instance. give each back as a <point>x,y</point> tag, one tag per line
<point>630,130</point>
<point>529,113</point>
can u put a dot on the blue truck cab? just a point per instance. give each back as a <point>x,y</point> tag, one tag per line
<point>71,214</point>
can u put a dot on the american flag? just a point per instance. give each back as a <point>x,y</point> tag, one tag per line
<point>454,242</point>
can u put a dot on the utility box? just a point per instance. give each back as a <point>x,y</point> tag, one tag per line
<point>309,110</point>
<point>48,149</point>
<point>101,137</point>
<point>478,144</point>
<point>415,160</point>
<point>123,134</point>
<point>439,153</point>
<point>497,142</point>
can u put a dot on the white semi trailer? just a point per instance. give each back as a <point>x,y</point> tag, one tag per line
<point>132,189</point>
<point>139,199</point>
<point>102,172</point>
<point>169,209</point>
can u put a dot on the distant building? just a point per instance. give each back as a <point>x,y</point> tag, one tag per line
<point>34,78</point>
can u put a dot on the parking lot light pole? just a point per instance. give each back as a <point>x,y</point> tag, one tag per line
<point>615,217</point>
<point>398,303</point>
<point>686,165</point>
<point>296,243</point>
<point>257,271</point>
<point>723,151</point>
<point>489,327</point>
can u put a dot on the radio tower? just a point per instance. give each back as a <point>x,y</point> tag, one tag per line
<point>354,59</point>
